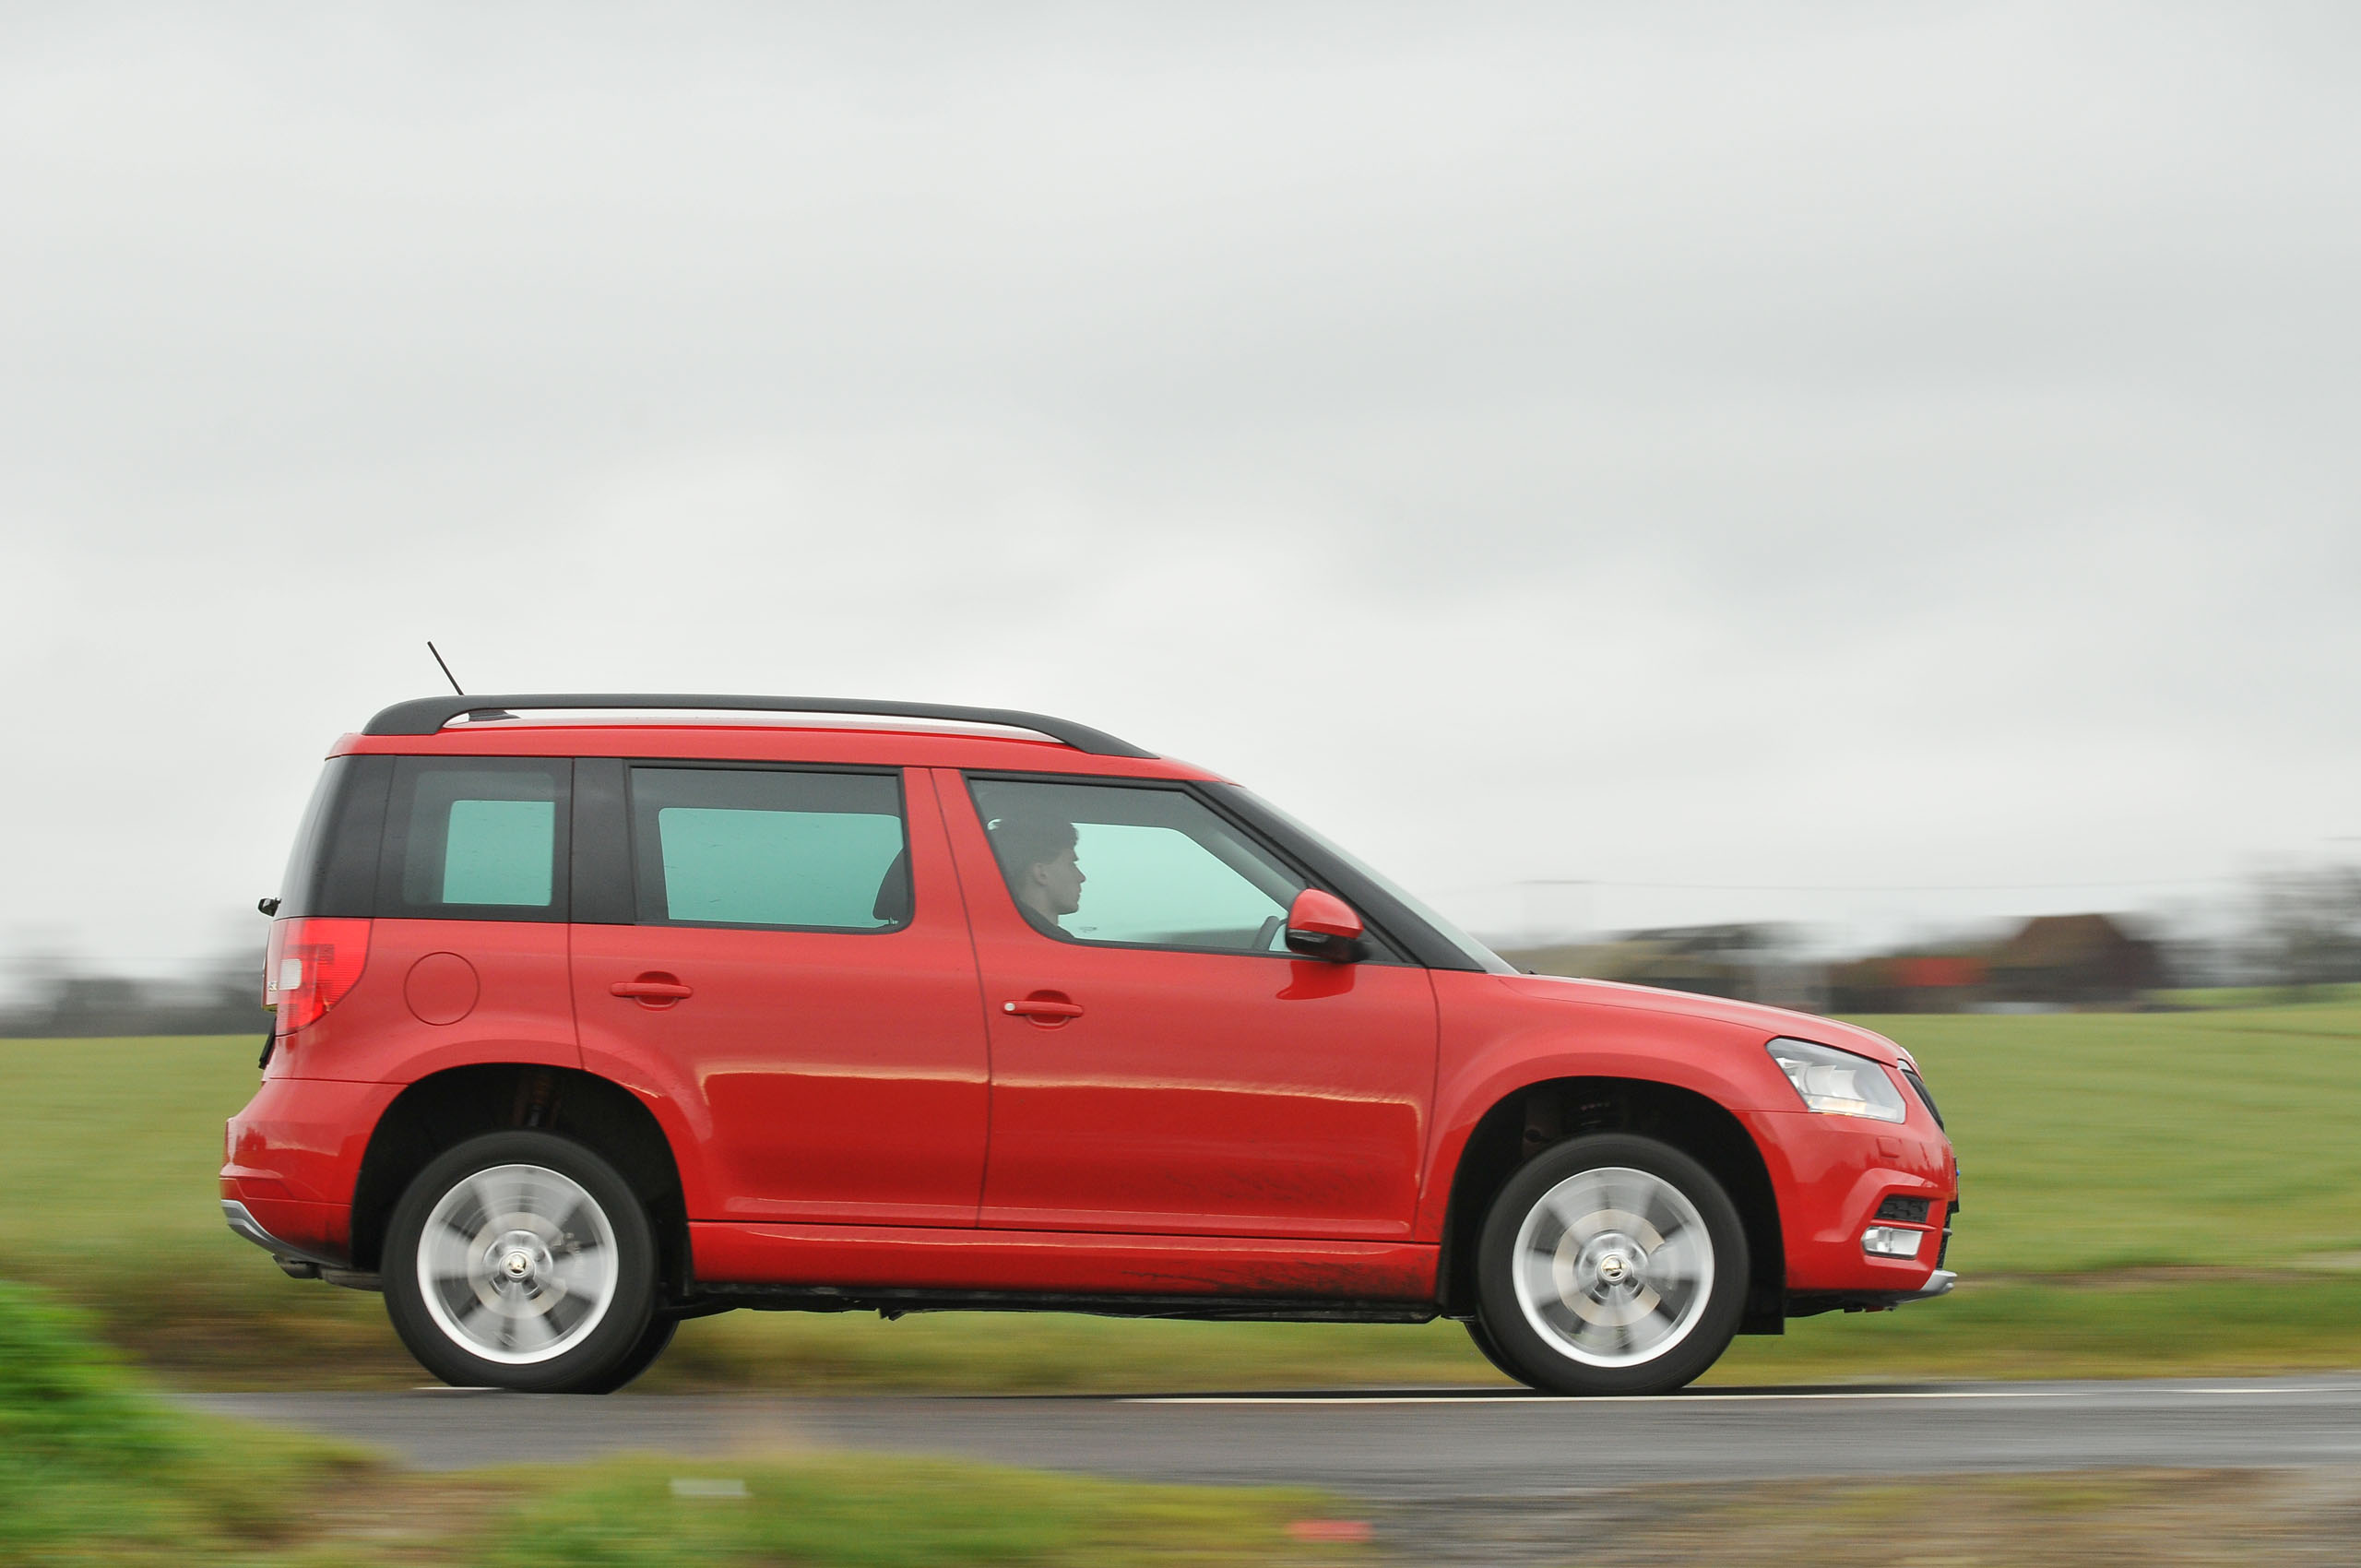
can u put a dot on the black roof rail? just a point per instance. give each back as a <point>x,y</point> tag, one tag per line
<point>426,715</point>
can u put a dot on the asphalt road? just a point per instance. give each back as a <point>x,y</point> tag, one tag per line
<point>1404,1445</point>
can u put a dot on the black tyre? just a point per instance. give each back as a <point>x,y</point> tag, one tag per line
<point>1482,1338</point>
<point>653,1340</point>
<point>1611,1264</point>
<point>522,1260</point>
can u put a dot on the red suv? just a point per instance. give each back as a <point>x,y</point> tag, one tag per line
<point>646,1008</point>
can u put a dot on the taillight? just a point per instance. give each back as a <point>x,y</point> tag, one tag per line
<point>310,965</point>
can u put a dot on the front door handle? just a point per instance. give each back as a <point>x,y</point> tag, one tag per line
<point>655,989</point>
<point>1043,1007</point>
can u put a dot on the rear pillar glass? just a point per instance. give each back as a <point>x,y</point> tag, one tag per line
<point>476,838</point>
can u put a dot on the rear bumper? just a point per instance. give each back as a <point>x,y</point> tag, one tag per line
<point>292,1157</point>
<point>241,1219</point>
<point>295,1260</point>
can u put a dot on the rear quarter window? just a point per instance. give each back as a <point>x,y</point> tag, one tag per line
<point>476,838</point>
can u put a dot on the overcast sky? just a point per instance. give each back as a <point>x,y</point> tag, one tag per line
<point>1836,447</point>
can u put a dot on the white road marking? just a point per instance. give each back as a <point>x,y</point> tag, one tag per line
<point>1510,1398</point>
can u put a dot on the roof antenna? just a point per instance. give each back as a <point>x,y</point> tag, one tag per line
<point>445,669</point>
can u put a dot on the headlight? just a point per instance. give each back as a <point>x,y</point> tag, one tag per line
<point>1837,1081</point>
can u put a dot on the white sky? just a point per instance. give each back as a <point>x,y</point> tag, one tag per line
<point>1845,446</point>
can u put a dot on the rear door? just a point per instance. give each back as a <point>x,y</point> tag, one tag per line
<point>796,968</point>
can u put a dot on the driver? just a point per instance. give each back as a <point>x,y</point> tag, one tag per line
<point>1037,856</point>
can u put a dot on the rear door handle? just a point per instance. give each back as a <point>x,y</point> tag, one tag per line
<point>1042,1007</point>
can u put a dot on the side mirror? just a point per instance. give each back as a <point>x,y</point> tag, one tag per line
<point>1321,925</point>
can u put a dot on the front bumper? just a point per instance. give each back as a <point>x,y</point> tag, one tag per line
<point>1832,1175</point>
<point>1811,1303</point>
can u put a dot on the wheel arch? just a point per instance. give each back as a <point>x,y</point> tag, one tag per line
<point>1537,1115</point>
<point>447,1107</point>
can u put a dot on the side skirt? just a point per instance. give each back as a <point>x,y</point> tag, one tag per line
<point>892,1301</point>
<point>902,1270</point>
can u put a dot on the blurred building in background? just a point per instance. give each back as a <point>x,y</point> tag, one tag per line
<point>2076,961</point>
<point>1759,962</point>
<point>2085,960</point>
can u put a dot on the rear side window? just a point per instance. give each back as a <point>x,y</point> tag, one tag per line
<point>476,838</point>
<point>777,848</point>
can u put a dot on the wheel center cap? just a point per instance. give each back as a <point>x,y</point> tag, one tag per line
<point>517,1265</point>
<point>1614,1268</point>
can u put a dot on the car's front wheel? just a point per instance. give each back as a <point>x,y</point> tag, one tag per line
<point>1611,1263</point>
<point>522,1260</point>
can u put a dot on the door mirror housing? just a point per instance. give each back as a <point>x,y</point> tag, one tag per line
<point>1321,925</point>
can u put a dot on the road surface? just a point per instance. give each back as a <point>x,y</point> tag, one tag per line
<point>1402,1446</point>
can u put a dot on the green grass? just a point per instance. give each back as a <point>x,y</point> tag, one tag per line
<point>2103,1141</point>
<point>873,1511</point>
<point>95,1469</point>
<point>2094,1145</point>
<point>2008,1329</point>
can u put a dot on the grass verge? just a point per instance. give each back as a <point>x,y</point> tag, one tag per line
<point>868,1512</point>
<point>94,1470</point>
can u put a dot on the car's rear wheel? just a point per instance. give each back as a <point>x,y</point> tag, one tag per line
<point>522,1260</point>
<point>1611,1264</point>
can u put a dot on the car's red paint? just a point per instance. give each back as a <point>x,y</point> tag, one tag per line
<point>867,1108</point>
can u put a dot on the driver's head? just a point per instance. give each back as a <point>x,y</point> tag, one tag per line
<point>1037,856</point>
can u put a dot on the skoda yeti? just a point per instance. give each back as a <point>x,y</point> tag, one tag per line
<point>598,1013</point>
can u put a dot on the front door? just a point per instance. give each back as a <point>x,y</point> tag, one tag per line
<point>1160,1062</point>
<point>800,971</point>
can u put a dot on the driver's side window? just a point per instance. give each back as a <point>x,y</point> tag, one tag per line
<point>1133,866</point>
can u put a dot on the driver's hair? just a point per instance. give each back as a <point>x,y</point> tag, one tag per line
<point>1023,842</point>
